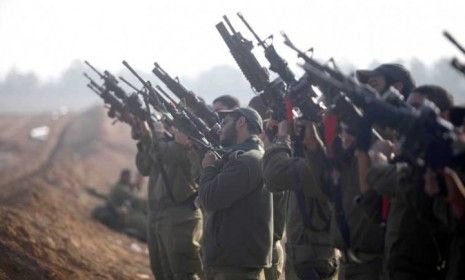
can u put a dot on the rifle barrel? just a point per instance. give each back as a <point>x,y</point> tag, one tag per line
<point>453,41</point>
<point>133,72</point>
<point>93,68</point>
<point>260,41</point>
<point>229,24</point>
<point>166,94</point>
<point>93,89</point>
<point>128,83</point>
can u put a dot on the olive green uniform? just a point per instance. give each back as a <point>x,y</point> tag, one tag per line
<point>362,246</point>
<point>175,224</point>
<point>238,230</point>
<point>277,262</point>
<point>124,212</point>
<point>308,248</point>
<point>415,240</point>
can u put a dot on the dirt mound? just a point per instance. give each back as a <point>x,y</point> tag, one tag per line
<point>46,231</point>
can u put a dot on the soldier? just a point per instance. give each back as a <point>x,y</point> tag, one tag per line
<point>279,199</point>
<point>123,210</point>
<point>387,75</point>
<point>363,243</point>
<point>310,254</point>
<point>225,102</point>
<point>238,229</point>
<point>416,241</point>
<point>175,223</point>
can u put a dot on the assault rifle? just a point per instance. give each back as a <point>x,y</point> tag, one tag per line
<point>110,82</point>
<point>459,66</point>
<point>116,107</point>
<point>174,114</point>
<point>333,100</point>
<point>192,101</point>
<point>186,123</point>
<point>131,102</point>
<point>426,138</point>
<point>155,144</point>
<point>152,96</point>
<point>210,134</point>
<point>299,92</point>
<point>117,110</point>
<point>271,92</point>
<point>241,50</point>
<point>277,63</point>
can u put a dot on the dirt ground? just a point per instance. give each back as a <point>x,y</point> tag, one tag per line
<point>46,231</point>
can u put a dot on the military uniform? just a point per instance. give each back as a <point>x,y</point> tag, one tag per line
<point>175,224</point>
<point>124,212</point>
<point>238,230</point>
<point>310,254</point>
<point>415,240</point>
<point>277,260</point>
<point>355,233</point>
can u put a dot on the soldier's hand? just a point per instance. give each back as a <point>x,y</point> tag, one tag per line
<point>283,130</point>
<point>181,138</point>
<point>431,185</point>
<point>381,152</point>
<point>271,124</point>
<point>311,140</point>
<point>144,128</point>
<point>209,159</point>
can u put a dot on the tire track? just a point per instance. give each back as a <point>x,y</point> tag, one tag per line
<point>12,187</point>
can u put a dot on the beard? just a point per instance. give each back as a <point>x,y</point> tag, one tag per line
<point>228,137</point>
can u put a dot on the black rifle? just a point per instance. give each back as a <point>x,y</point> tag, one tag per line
<point>117,109</point>
<point>110,81</point>
<point>186,123</point>
<point>156,148</point>
<point>241,50</point>
<point>277,63</point>
<point>192,101</point>
<point>333,99</point>
<point>152,94</point>
<point>210,134</point>
<point>272,93</point>
<point>459,66</point>
<point>131,102</point>
<point>426,137</point>
<point>176,115</point>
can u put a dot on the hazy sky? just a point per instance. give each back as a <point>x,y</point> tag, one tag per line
<point>46,35</point>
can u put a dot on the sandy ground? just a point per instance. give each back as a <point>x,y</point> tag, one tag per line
<point>46,231</point>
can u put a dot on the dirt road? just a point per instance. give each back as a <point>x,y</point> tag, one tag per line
<point>45,227</point>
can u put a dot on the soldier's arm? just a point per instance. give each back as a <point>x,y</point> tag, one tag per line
<point>384,179</point>
<point>283,172</point>
<point>143,159</point>
<point>219,190</point>
<point>167,151</point>
<point>316,160</point>
<point>277,170</point>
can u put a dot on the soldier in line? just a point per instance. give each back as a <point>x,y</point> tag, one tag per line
<point>238,230</point>
<point>417,242</point>
<point>175,223</point>
<point>279,200</point>
<point>225,102</point>
<point>335,196</point>
<point>123,211</point>
<point>309,252</point>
